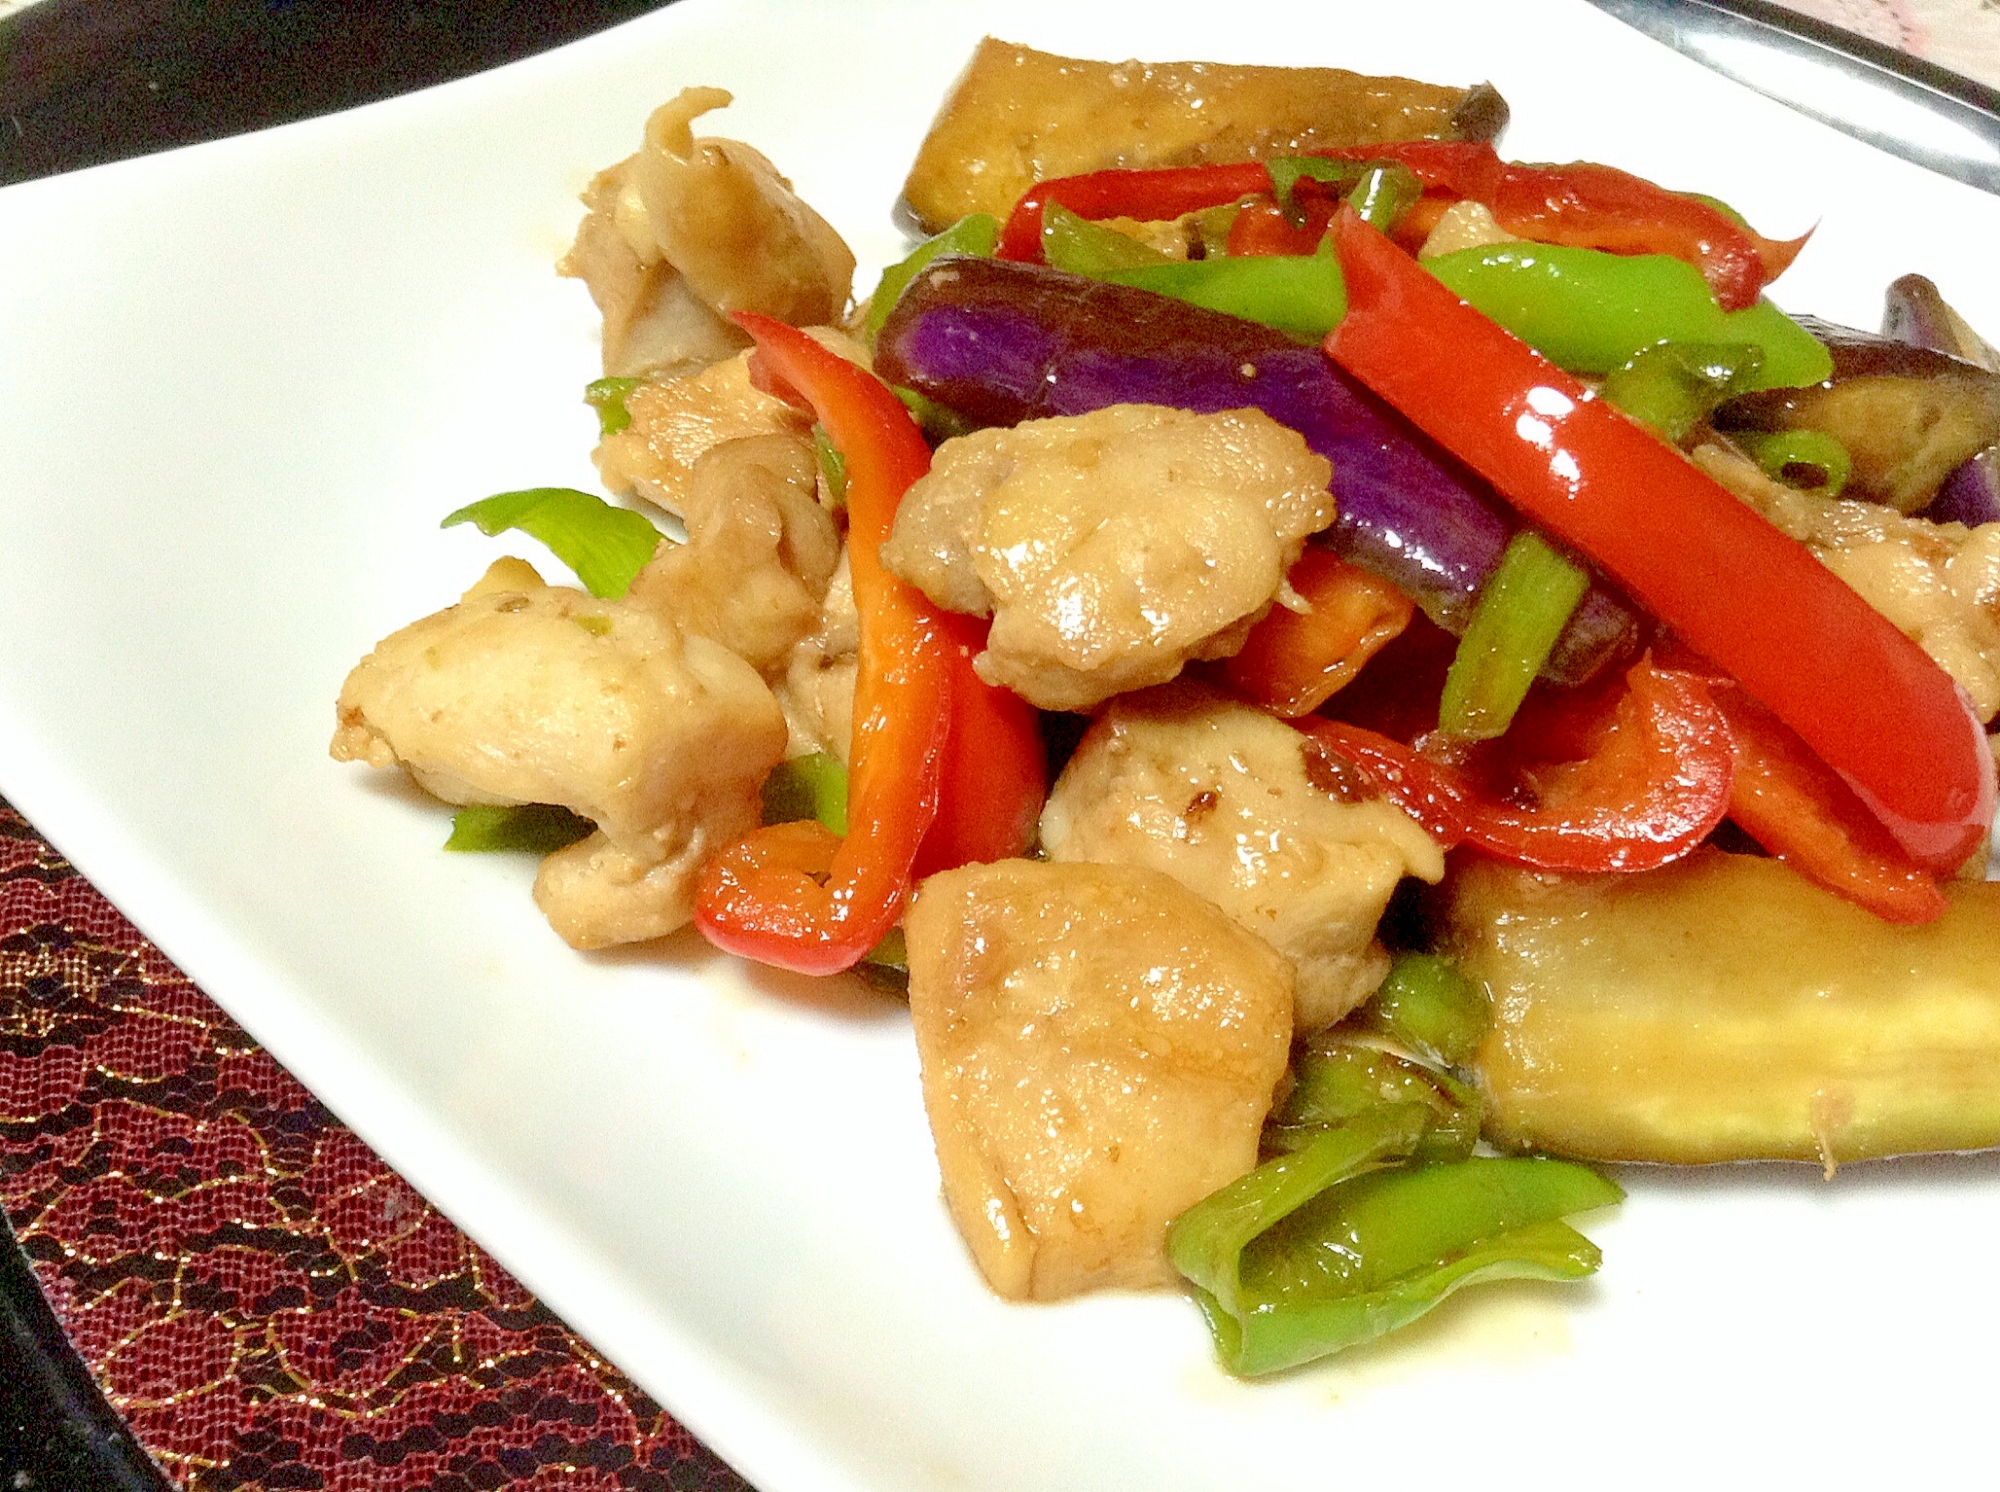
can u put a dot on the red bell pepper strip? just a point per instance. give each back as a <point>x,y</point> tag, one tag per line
<point>1584,205</point>
<point>1657,785</point>
<point>995,768</point>
<point>1798,809</point>
<point>796,896</point>
<point>1596,207</point>
<point>1864,697</point>
<point>1292,662</point>
<point>1152,195</point>
<point>1264,228</point>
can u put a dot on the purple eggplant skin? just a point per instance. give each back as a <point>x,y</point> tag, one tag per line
<point>1001,342</point>
<point>1908,415</point>
<point>1971,494</point>
<point>1914,311</point>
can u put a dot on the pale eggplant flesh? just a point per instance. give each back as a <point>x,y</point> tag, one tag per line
<point>1908,416</point>
<point>1915,311</point>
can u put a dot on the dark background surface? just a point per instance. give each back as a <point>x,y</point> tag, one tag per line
<point>88,81</point>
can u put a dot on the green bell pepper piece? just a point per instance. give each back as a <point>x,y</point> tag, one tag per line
<point>540,828</point>
<point>1430,1007</point>
<point>1521,611</point>
<point>1074,243</point>
<point>1206,1242</point>
<point>887,964</point>
<point>832,465</point>
<point>1287,1270</point>
<point>606,546</point>
<point>938,422</point>
<point>1287,171</point>
<point>1337,1079</point>
<point>808,787</point>
<point>1674,386</point>
<point>1385,192</point>
<point>607,397</point>
<point>1301,295</point>
<point>1590,312</point>
<point>1810,459</point>
<point>977,234</point>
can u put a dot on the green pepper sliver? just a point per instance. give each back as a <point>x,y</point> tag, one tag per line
<point>1287,171</point>
<point>1338,1078</point>
<point>808,787</point>
<point>1073,242</point>
<point>1674,386</point>
<point>1301,295</point>
<point>539,828</point>
<point>1809,459</point>
<point>1366,1255</point>
<point>606,546</point>
<point>1385,192</point>
<point>1429,1006</point>
<point>1206,1242</point>
<point>832,465</point>
<point>607,396</point>
<point>1521,611</point>
<point>1589,311</point>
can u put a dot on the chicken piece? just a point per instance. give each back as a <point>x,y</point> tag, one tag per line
<point>817,690</point>
<point>1464,225</point>
<point>1242,809</point>
<point>1110,548</point>
<point>720,213</point>
<point>1017,116</point>
<point>1099,1047</point>
<point>675,421</point>
<point>529,693</point>
<point>686,232</point>
<point>759,553</point>
<point>1939,583</point>
<point>653,320</point>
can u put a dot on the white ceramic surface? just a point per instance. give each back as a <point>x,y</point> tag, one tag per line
<point>239,386</point>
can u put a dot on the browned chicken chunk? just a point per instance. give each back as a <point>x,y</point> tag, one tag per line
<point>1100,1047</point>
<point>1110,548</point>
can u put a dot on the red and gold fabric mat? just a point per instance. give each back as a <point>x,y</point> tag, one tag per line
<point>262,1298</point>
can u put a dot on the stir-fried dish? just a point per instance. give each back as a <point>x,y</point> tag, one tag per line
<point>1343,677</point>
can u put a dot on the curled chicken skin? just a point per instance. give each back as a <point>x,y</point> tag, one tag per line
<point>686,232</point>
<point>759,555</point>
<point>720,213</point>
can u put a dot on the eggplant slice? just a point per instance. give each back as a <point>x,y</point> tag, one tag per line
<point>1909,416</point>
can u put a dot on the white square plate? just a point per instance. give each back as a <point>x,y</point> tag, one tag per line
<point>240,385</point>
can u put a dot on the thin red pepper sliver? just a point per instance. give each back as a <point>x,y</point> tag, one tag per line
<point>995,771</point>
<point>1585,205</point>
<point>1798,808</point>
<point>1655,788</point>
<point>1151,195</point>
<point>763,898</point>
<point>1867,700</point>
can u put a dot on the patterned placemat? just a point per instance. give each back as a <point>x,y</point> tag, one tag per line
<point>265,1301</point>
